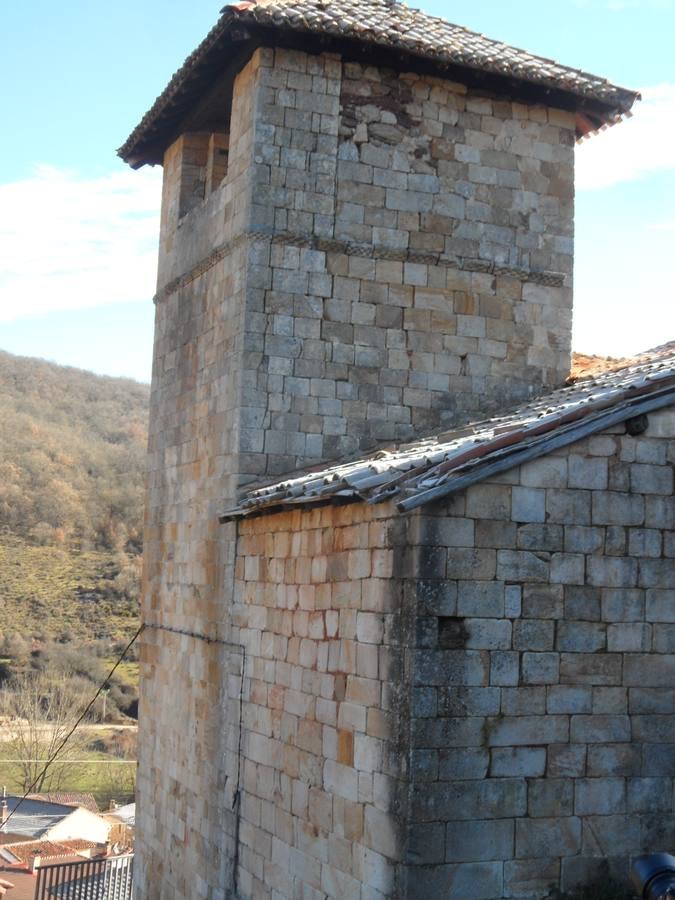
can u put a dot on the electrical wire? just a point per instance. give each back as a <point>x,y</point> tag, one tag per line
<point>77,724</point>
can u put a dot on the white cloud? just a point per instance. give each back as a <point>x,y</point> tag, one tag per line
<point>68,242</point>
<point>624,296</point>
<point>634,148</point>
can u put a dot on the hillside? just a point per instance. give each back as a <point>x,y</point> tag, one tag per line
<point>72,450</point>
<point>72,455</point>
<point>52,594</point>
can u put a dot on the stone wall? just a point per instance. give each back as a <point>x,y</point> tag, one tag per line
<point>407,253</point>
<point>186,721</point>
<point>544,735</point>
<point>472,701</point>
<point>419,269</point>
<point>320,611</point>
<point>384,256</point>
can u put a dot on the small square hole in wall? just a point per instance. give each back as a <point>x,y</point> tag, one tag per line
<point>452,633</point>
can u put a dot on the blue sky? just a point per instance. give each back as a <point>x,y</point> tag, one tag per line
<point>78,230</point>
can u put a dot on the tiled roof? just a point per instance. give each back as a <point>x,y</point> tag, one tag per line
<point>33,818</point>
<point>378,23</point>
<point>587,364</point>
<point>418,473</point>
<point>25,851</point>
<point>69,798</point>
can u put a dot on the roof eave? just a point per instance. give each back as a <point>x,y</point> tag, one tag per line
<point>131,150</point>
<point>160,125</point>
<point>484,469</point>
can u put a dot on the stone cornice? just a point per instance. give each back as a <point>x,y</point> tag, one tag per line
<point>366,251</point>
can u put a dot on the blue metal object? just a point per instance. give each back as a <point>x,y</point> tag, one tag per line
<point>653,876</point>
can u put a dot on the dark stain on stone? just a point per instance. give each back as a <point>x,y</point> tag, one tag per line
<point>432,562</point>
<point>452,633</point>
<point>389,95</point>
<point>340,688</point>
<point>401,651</point>
<point>637,425</point>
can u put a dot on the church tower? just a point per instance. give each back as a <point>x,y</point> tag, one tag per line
<point>366,237</point>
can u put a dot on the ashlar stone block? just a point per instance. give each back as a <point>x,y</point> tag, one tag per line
<point>528,504</point>
<point>550,797</point>
<point>540,668</point>
<point>613,760</point>
<point>536,837</point>
<point>586,472</point>
<point>482,839</point>
<point>527,730</point>
<point>600,729</point>
<point>480,880</point>
<point>566,760</point>
<point>599,796</point>
<point>509,762</point>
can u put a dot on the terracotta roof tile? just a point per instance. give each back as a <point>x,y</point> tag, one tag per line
<point>585,364</point>
<point>379,23</point>
<point>418,473</point>
<point>26,851</point>
<point>69,798</point>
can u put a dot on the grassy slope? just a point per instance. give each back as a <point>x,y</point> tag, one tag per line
<point>104,775</point>
<point>72,453</point>
<point>48,592</point>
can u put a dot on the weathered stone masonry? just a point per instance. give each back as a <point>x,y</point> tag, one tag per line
<point>320,607</point>
<point>188,756</point>
<point>351,256</point>
<point>517,637</point>
<point>363,327</point>
<point>418,260</point>
<point>365,270</point>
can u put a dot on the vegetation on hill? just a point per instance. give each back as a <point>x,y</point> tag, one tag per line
<point>72,455</point>
<point>104,764</point>
<point>72,451</point>
<point>51,593</point>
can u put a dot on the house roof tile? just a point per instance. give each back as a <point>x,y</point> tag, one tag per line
<point>25,851</point>
<point>69,798</point>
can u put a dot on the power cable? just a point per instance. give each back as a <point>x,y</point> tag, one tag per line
<point>77,724</point>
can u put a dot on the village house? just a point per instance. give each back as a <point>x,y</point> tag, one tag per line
<point>409,611</point>
<point>46,830</point>
<point>37,817</point>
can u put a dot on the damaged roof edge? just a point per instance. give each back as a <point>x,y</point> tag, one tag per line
<point>539,448</point>
<point>418,474</point>
<point>393,27</point>
<point>489,465</point>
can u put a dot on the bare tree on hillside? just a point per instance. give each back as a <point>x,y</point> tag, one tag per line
<point>36,715</point>
<point>118,782</point>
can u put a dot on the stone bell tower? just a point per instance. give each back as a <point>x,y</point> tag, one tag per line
<point>366,237</point>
